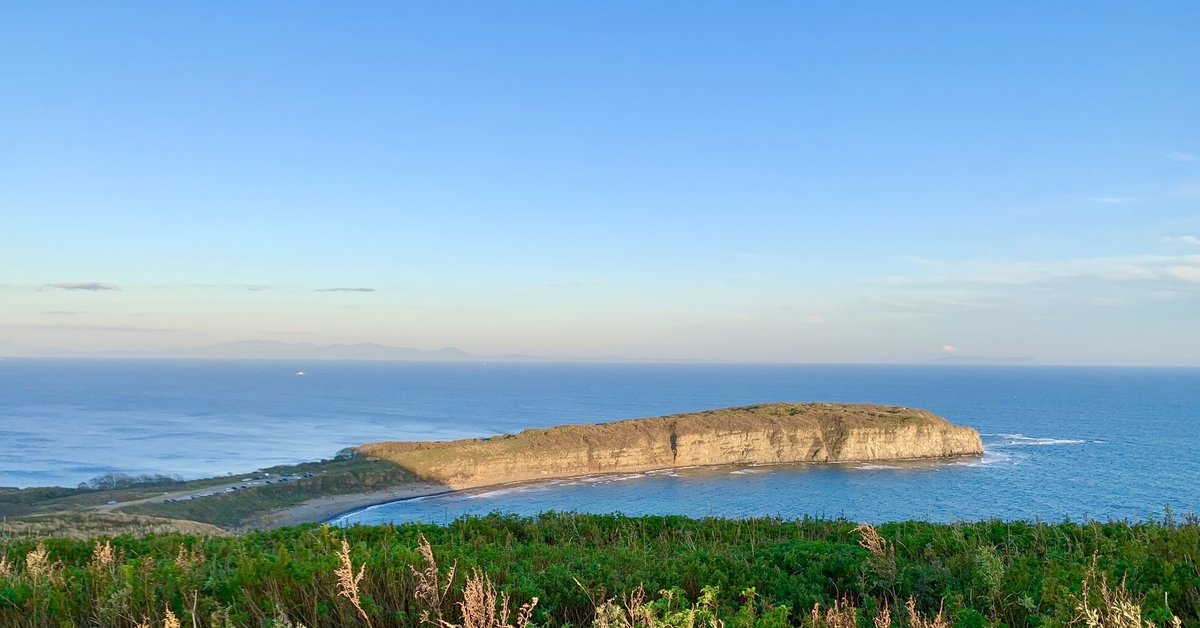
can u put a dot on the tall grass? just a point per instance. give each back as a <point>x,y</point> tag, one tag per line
<point>617,572</point>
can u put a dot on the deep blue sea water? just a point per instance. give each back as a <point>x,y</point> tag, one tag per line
<point>1060,441</point>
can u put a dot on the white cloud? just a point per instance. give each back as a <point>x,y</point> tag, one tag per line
<point>1112,199</point>
<point>951,349</point>
<point>1177,156</point>
<point>1187,239</point>
<point>1186,273</point>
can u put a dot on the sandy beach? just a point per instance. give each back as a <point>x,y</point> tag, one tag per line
<point>325,508</point>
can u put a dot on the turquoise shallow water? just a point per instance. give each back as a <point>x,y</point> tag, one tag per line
<point>1094,442</point>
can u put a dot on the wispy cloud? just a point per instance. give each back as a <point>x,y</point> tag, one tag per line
<point>1178,156</point>
<point>1111,199</point>
<point>1002,286</point>
<point>345,290</point>
<point>1187,239</point>
<point>951,349</point>
<point>1186,273</point>
<point>92,286</point>
<point>122,328</point>
<point>258,288</point>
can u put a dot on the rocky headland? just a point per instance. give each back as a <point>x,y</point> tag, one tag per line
<point>778,433</point>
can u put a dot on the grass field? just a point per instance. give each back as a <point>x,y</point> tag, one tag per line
<point>756,573</point>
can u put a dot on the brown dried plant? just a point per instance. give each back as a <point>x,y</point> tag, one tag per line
<point>635,611</point>
<point>38,565</point>
<point>883,553</point>
<point>883,619</point>
<point>6,567</point>
<point>103,555</point>
<point>186,559</point>
<point>672,610</point>
<point>1117,607</point>
<point>171,621</point>
<point>430,590</point>
<point>841,615</point>
<point>348,580</point>
<point>282,620</point>
<point>917,620</point>
<point>871,540</point>
<point>482,607</point>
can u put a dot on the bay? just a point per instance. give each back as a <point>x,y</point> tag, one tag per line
<point>1099,442</point>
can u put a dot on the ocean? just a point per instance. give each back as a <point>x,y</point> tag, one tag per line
<point>1060,442</point>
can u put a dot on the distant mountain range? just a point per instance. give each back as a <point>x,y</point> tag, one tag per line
<point>274,349</point>
<point>364,351</point>
<point>277,350</point>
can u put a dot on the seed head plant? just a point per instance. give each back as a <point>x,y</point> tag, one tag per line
<point>883,554</point>
<point>917,620</point>
<point>37,564</point>
<point>103,556</point>
<point>883,619</point>
<point>482,607</point>
<point>430,589</point>
<point>348,580</point>
<point>841,615</point>
<point>1117,607</point>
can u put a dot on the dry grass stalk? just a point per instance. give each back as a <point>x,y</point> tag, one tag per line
<point>884,618</point>
<point>171,621</point>
<point>917,620</point>
<point>103,555</point>
<point>281,620</point>
<point>6,567</point>
<point>883,553</point>
<point>871,540</point>
<point>430,589</point>
<point>633,611</point>
<point>187,559</point>
<point>37,564</point>
<point>841,615</point>
<point>348,580</point>
<point>1117,607</point>
<point>482,607</point>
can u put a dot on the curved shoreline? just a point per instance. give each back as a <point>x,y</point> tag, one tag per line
<point>362,501</point>
<point>325,509</point>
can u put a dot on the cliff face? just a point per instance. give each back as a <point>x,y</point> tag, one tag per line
<point>763,434</point>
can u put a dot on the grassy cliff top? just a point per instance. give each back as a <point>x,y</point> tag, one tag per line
<point>824,417</point>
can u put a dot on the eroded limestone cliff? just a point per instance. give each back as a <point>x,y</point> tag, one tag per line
<point>762,434</point>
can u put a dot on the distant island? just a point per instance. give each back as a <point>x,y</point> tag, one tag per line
<point>778,433</point>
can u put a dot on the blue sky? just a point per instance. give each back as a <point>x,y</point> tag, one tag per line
<point>837,182</point>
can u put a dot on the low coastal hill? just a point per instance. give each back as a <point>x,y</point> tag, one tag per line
<point>776,433</point>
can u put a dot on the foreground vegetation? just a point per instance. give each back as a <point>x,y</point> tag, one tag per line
<point>563,569</point>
